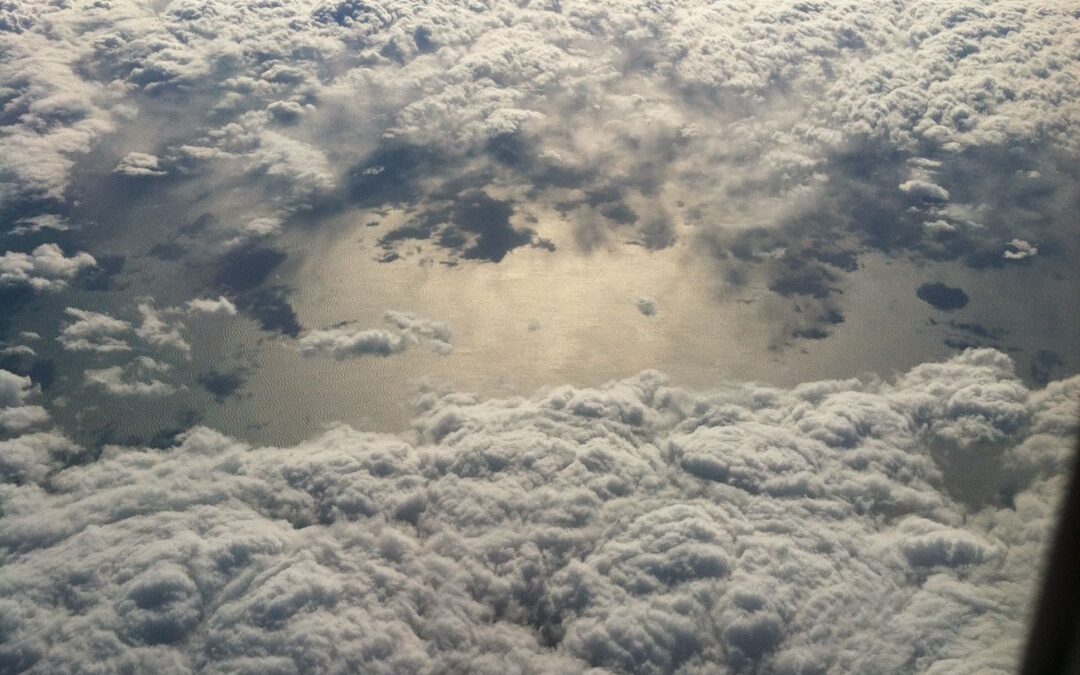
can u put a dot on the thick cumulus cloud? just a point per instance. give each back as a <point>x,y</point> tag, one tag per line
<point>657,101</point>
<point>785,138</point>
<point>635,527</point>
<point>44,268</point>
<point>16,415</point>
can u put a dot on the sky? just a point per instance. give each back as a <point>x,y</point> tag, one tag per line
<point>534,336</point>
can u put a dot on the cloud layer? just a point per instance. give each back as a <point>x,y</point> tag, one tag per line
<point>635,527</point>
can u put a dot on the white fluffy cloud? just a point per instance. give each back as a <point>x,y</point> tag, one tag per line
<point>15,415</point>
<point>1020,249</point>
<point>159,330</point>
<point>158,327</point>
<point>140,164</point>
<point>219,305</point>
<point>925,190</point>
<point>94,332</point>
<point>125,380</point>
<point>312,86</point>
<point>343,342</point>
<point>44,268</point>
<point>635,527</point>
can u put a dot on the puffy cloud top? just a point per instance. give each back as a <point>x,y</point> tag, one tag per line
<point>634,527</point>
<point>44,268</point>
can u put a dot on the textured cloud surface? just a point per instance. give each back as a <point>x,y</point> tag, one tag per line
<point>44,268</point>
<point>634,527</point>
<point>783,138</point>
<point>494,163</point>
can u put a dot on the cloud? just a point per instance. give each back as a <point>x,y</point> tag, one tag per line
<point>15,415</point>
<point>702,120</point>
<point>45,268</point>
<point>646,306</point>
<point>122,380</point>
<point>1020,249</point>
<point>343,342</point>
<point>18,350</point>
<point>56,114</point>
<point>20,418</point>
<point>102,333</point>
<point>30,458</point>
<point>925,190</point>
<point>159,331</point>
<point>437,333</point>
<point>254,230</point>
<point>140,165</point>
<point>36,224</point>
<point>222,385</point>
<point>220,305</point>
<point>93,331</point>
<point>940,296</point>
<point>13,388</point>
<point>635,527</point>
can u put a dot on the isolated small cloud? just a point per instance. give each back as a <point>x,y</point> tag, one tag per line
<point>254,230</point>
<point>219,305</point>
<point>18,350</point>
<point>140,164</point>
<point>646,306</point>
<point>343,342</point>
<point>939,226</point>
<point>36,224</point>
<point>1020,249</point>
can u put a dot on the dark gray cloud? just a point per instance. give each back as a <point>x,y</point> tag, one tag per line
<point>223,384</point>
<point>471,226</point>
<point>940,296</point>
<point>647,306</point>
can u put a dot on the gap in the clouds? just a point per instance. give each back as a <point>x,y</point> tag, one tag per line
<point>538,268</point>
